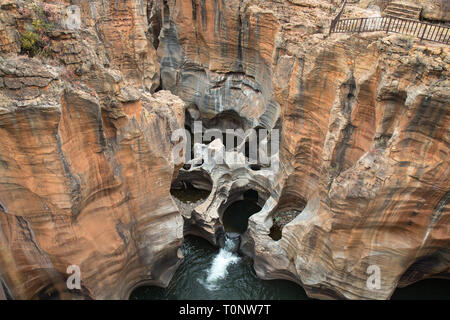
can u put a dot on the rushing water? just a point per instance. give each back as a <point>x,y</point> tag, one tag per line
<point>210,274</point>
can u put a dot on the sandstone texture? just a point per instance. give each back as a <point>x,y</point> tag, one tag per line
<point>86,162</point>
<point>364,139</point>
<point>434,10</point>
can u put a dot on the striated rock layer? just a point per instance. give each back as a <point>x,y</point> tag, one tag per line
<point>86,158</point>
<point>85,184</point>
<point>364,139</point>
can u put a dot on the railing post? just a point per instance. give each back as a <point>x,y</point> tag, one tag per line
<point>423,33</point>
<point>338,16</point>
<point>389,25</point>
<point>332,26</point>
<point>398,25</point>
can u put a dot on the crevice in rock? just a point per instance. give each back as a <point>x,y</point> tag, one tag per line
<point>159,87</point>
<point>5,291</point>
<point>166,12</point>
<point>283,216</point>
<point>48,293</point>
<point>338,161</point>
<point>75,185</point>
<point>154,22</point>
<point>239,61</point>
<point>58,290</point>
<point>348,96</point>
<point>194,10</point>
<point>203,14</point>
<point>430,264</point>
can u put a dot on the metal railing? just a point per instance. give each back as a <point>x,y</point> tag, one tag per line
<point>420,29</point>
<point>338,16</point>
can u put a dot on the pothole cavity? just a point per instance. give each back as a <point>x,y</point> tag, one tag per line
<point>283,216</point>
<point>191,187</point>
<point>202,276</point>
<point>241,205</point>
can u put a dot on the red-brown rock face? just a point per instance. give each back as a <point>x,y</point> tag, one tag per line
<point>84,184</point>
<point>364,141</point>
<point>86,156</point>
<point>85,160</point>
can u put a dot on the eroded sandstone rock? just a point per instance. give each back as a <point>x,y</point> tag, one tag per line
<point>84,182</point>
<point>86,156</point>
<point>364,122</point>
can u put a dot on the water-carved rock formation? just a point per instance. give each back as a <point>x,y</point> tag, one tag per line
<point>364,139</point>
<point>82,183</point>
<point>86,156</point>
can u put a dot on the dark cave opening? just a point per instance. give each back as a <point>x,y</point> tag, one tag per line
<point>217,127</point>
<point>228,119</point>
<point>239,208</point>
<point>191,186</point>
<point>189,193</point>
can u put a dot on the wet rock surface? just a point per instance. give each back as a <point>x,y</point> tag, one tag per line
<point>354,111</point>
<point>86,162</point>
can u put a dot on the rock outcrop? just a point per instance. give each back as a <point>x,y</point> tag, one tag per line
<point>437,10</point>
<point>86,158</point>
<point>364,139</point>
<point>82,183</point>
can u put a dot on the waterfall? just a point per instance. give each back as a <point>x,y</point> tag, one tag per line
<point>221,262</point>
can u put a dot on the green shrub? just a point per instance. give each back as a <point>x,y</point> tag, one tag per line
<point>34,40</point>
<point>30,43</point>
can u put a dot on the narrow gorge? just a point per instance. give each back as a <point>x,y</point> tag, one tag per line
<point>351,129</point>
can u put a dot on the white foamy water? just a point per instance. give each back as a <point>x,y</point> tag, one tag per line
<point>219,266</point>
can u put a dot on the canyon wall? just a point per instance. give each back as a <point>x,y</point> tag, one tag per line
<point>85,158</point>
<point>364,139</point>
<point>85,148</point>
